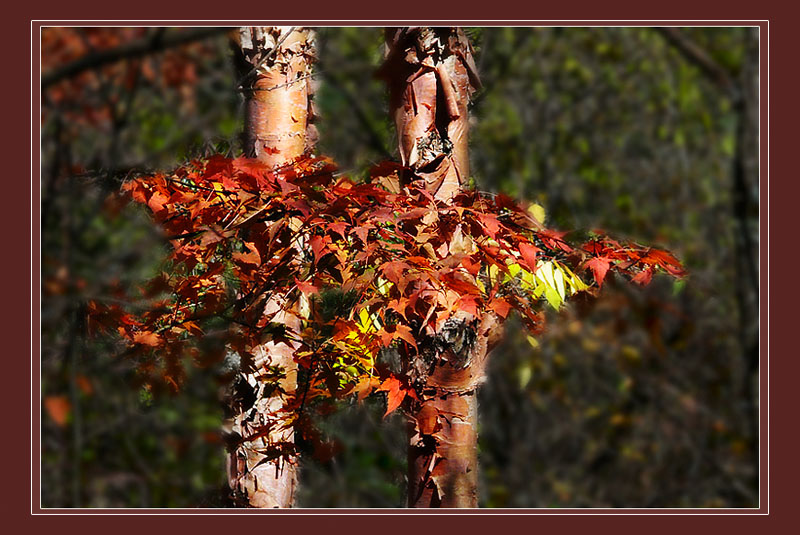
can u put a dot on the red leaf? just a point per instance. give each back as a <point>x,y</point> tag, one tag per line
<point>643,277</point>
<point>666,261</point>
<point>554,239</point>
<point>468,304</point>
<point>362,232</point>
<point>319,245</point>
<point>490,224</point>
<point>157,201</point>
<point>528,252</point>
<point>339,228</point>
<point>599,266</point>
<point>306,287</point>
<point>472,266</point>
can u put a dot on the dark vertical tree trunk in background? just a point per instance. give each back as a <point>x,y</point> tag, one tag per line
<point>431,76</point>
<point>743,92</point>
<point>745,210</point>
<point>274,65</point>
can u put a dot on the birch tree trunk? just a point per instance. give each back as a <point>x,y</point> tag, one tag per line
<point>274,65</point>
<point>431,76</point>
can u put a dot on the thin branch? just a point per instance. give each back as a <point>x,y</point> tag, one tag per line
<point>701,59</point>
<point>134,49</point>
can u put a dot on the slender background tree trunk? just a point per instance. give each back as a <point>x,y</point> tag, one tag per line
<point>743,93</point>
<point>431,76</point>
<point>274,65</point>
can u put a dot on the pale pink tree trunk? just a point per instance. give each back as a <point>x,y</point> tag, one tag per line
<point>274,65</point>
<point>431,76</point>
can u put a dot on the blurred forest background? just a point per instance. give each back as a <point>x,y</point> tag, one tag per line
<point>642,398</point>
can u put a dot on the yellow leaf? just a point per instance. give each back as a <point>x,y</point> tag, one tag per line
<point>558,275</point>
<point>480,285</point>
<point>493,272</point>
<point>552,297</point>
<point>537,212</point>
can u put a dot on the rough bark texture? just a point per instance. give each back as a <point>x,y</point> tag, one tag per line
<point>274,65</point>
<point>431,76</point>
<point>442,455</point>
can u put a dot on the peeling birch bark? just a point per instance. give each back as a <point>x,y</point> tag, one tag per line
<point>431,76</point>
<point>274,65</point>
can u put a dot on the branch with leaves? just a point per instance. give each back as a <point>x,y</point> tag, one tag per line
<point>387,269</point>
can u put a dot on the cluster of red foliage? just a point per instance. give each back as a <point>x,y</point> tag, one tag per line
<point>367,267</point>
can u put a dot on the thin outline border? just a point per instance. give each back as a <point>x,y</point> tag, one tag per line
<point>517,23</point>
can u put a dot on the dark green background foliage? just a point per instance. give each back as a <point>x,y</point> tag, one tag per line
<point>642,398</point>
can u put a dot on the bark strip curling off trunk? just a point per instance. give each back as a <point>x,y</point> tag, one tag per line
<point>274,65</point>
<point>431,76</point>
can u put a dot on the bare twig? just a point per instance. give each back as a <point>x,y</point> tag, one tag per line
<point>701,59</point>
<point>134,49</point>
<point>267,57</point>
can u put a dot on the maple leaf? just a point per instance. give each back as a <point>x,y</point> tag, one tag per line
<point>306,287</point>
<point>362,232</point>
<point>643,277</point>
<point>157,202</point>
<point>393,271</point>
<point>555,239</point>
<point>403,332</point>
<point>500,306</point>
<point>339,228</point>
<point>599,266</point>
<point>319,245</point>
<point>468,304</point>
<point>252,258</point>
<point>147,338</point>
<point>395,393</point>
<point>490,224</point>
<point>528,252</point>
<point>666,261</point>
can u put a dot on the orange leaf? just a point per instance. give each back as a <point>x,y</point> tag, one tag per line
<point>395,394</point>
<point>248,258</point>
<point>147,338</point>
<point>404,333</point>
<point>306,287</point>
<point>84,384</point>
<point>500,307</point>
<point>58,408</point>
